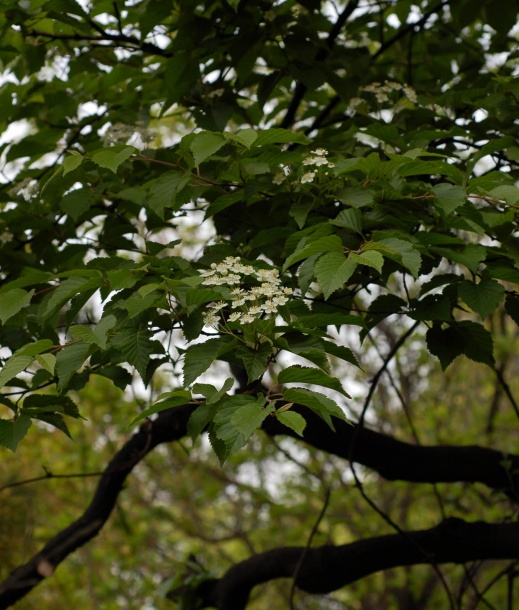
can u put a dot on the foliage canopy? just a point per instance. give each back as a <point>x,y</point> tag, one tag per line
<point>229,203</point>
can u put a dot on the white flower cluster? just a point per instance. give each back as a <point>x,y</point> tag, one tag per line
<point>261,300</point>
<point>318,159</point>
<point>382,91</point>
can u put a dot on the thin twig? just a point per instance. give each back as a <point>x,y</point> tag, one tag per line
<point>308,544</point>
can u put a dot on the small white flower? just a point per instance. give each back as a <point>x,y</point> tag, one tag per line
<point>255,310</point>
<point>279,178</point>
<point>217,306</point>
<point>210,319</point>
<point>269,307</point>
<point>247,318</point>
<point>235,316</point>
<point>6,237</point>
<point>320,152</point>
<point>308,177</point>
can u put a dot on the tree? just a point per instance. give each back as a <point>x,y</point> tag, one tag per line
<point>239,206</point>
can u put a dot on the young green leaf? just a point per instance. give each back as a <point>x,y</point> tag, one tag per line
<point>304,374</point>
<point>292,420</point>
<point>12,301</point>
<point>484,297</point>
<point>332,271</point>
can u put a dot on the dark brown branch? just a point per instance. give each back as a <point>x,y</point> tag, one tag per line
<point>396,460</point>
<point>392,459</point>
<point>329,568</point>
<point>169,426</point>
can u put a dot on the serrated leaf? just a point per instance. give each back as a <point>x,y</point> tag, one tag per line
<point>255,361</point>
<point>65,291</point>
<point>276,135</point>
<point>506,192</point>
<point>111,158</point>
<point>199,419</point>
<point>332,271</point>
<point>33,349</point>
<point>329,243</point>
<point>68,361</point>
<point>512,307</point>
<point>468,338</point>
<point>342,352</point>
<point>247,137</point>
<point>408,256</point>
<point>304,374</point>
<point>12,432</point>
<point>136,347</point>
<point>449,197</point>
<point>165,189</point>
<point>205,144</point>
<point>349,219</point>
<point>161,405</point>
<point>12,301</point>
<point>371,258</point>
<point>14,366</point>
<point>292,420</point>
<point>199,357</point>
<point>444,343</point>
<point>319,403</point>
<point>211,393</point>
<point>483,298</point>
<point>47,361</point>
<point>478,342</point>
<point>237,420</point>
<point>71,163</point>
<point>137,303</point>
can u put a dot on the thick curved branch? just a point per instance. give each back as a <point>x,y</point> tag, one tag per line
<point>329,568</point>
<point>169,426</point>
<point>397,460</point>
<point>391,458</point>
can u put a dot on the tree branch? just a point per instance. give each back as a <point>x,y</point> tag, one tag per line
<point>392,459</point>
<point>329,568</point>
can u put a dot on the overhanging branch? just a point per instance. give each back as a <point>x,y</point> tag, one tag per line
<point>392,459</point>
<point>329,568</point>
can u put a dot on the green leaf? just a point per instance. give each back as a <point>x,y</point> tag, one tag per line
<point>506,192</point>
<point>47,361</point>
<point>12,301</point>
<point>15,365</point>
<point>292,420</point>
<point>164,191</point>
<point>329,243</point>
<point>371,258</point>
<point>402,252</point>
<point>468,338</point>
<point>237,420</point>
<point>303,374</point>
<point>161,405</point>
<point>136,346</point>
<point>449,197</point>
<point>483,298</point>
<point>247,137</point>
<point>349,219</point>
<point>12,432</point>
<point>512,307</point>
<point>332,271</point>
<point>205,144</point>
<point>68,361</point>
<point>277,135</point>
<point>199,357</point>
<point>65,291</point>
<point>33,349</point>
<point>211,393</point>
<point>200,418</point>
<point>255,361</point>
<point>317,402</point>
<point>111,158</point>
<point>71,163</point>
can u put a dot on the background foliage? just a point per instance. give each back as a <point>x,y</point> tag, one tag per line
<point>259,212</point>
